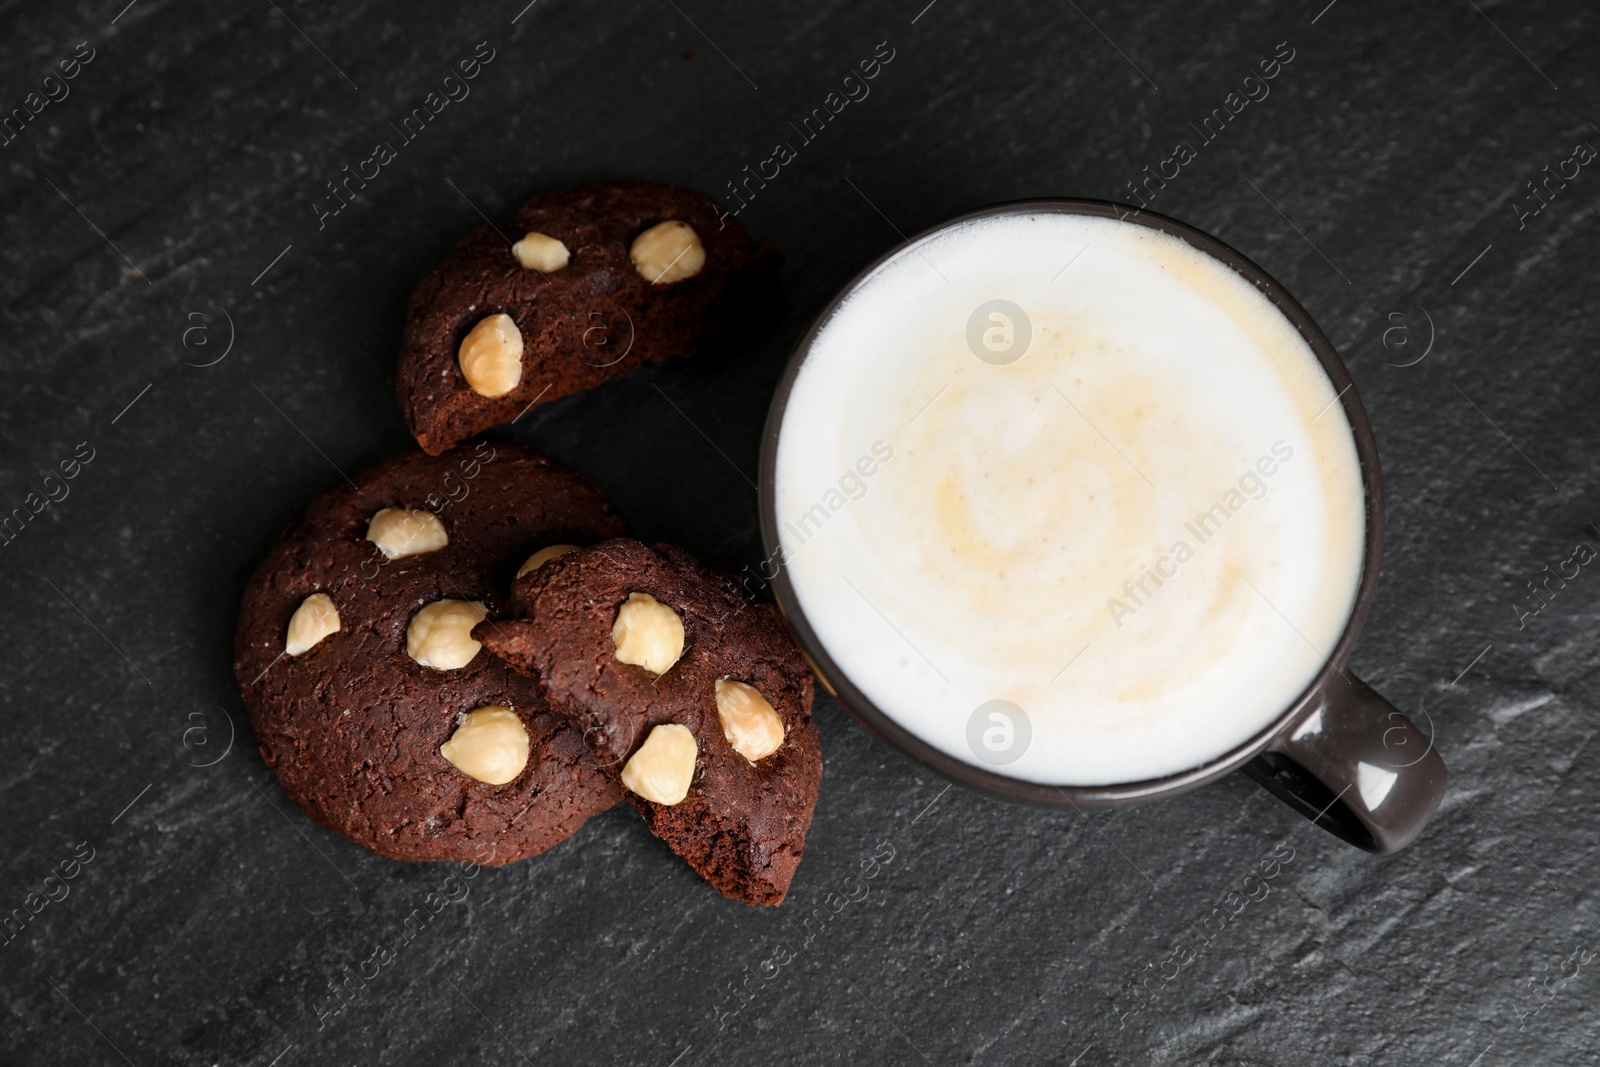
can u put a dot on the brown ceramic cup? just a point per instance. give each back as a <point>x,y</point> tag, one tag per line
<point>1339,754</point>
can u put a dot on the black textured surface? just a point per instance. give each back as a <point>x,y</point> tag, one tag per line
<point>176,188</point>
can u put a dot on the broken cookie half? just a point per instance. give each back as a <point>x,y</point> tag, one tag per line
<point>693,697</point>
<point>587,284</point>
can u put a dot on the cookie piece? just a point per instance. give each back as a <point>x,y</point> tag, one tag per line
<point>742,823</point>
<point>587,284</point>
<point>336,631</point>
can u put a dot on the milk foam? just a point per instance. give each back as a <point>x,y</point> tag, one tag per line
<point>1034,535</point>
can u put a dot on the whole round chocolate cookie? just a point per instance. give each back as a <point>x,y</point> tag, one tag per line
<point>587,284</point>
<point>378,713</point>
<point>692,695</point>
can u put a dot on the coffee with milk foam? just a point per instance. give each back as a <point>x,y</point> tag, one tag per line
<point>1069,499</point>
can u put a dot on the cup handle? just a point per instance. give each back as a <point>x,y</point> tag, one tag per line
<point>1355,766</point>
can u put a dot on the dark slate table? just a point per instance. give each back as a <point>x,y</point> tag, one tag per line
<point>192,329</point>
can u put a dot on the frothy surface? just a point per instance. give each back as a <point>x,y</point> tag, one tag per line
<point>1146,533</point>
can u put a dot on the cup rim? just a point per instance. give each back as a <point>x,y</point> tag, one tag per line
<point>994,783</point>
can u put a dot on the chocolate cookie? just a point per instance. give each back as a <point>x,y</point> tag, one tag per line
<point>587,284</point>
<point>694,697</point>
<point>371,703</point>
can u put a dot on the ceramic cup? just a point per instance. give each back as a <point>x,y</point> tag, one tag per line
<point>1339,754</point>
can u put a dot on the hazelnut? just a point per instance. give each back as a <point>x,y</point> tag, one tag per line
<point>664,765</point>
<point>490,744</point>
<point>543,556</point>
<point>647,633</point>
<point>491,356</point>
<point>440,635</point>
<point>398,532</point>
<point>541,252</point>
<point>667,252</point>
<point>314,619</point>
<point>749,722</point>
